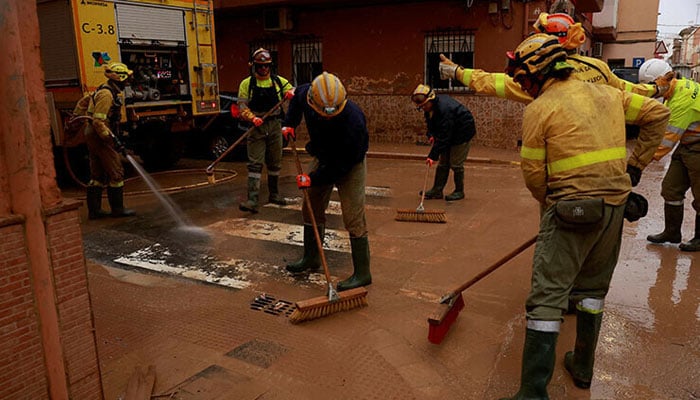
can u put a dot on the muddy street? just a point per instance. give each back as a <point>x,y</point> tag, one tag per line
<point>207,302</point>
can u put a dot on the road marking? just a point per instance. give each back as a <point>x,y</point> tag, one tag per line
<point>232,273</point>
<point>278,232</point>
<point>333,206</point>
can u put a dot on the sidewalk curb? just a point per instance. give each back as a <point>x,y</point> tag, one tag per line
<point>418,157</point>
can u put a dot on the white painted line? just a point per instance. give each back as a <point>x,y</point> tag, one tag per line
<point>333,206</point>
<point>232,273</point>
<point>334,240</point>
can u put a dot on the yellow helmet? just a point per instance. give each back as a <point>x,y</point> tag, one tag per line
<point>327,95</point>
<point>117,71</point>
<point>571,34</point>
<point>422,94</point>
<point>536,54</point>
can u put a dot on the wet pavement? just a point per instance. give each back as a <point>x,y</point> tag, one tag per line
<point>208,308</point>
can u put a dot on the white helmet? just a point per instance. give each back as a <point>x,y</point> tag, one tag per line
<point>653,69</point>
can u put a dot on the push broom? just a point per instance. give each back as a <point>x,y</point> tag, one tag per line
<point>420,214</point>
<point>335,301</point>
<point>210,169</point>
<point>452,303</point>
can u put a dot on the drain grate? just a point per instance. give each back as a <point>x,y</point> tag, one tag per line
<point>271,305</point>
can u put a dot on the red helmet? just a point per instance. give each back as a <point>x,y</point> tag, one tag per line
<point>570,34</point>
<point>261,56</point>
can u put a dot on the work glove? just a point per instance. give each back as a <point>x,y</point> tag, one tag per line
<point>257,121</point>
<point>429,161</point>
<point>235,111</point>
<point>289,94</point>
<point>448,69</point>
<point>118,145</point>
<point>288,132</point>
<point>431,140</point>
<point>303,181</point>
<point>635,174</point>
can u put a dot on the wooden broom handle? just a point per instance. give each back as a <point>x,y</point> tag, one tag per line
<point>307,203</point>
<point>490,269</point>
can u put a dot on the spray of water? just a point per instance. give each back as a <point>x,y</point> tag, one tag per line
<point>183,223</point>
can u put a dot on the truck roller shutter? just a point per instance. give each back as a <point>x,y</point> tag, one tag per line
<point>57,43</point>
<point>150,23</point>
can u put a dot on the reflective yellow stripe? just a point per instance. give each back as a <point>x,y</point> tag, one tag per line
<point>585,159</point>
<point>467,76</point>
<point>651,90</point>
<point>531,153</point>
<point>634,108</point>
<point>500,83</point>
<point>99,116</point>
<point>628,86</point>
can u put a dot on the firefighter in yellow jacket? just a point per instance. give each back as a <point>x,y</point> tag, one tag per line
<point>106,169</point>
<point>571,35</point>
<point>681,97</point>
<point>580,179</point>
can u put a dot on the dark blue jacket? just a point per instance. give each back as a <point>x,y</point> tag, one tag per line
<point>451,123</point>
<point>339,143</point>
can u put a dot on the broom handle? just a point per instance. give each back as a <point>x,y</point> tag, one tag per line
<point>307,203</point>
<point>210,168</point>
<point>425,184</point>
<point>488,270</point>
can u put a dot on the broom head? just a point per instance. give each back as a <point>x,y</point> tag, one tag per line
<point>408,215</point>
<point>319,307</point>
<point>442,318</point>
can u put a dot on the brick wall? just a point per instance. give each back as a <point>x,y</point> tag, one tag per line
<point>23,373</point>
<point>394,119</point>
<point>73,300</point>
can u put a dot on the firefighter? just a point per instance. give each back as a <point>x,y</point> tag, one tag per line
<point>106,169</point>
<point>681,96</point>
<point>338,142</point>
<point>450,131</point>
<point>258,94</point>
<point>579,177</point>
<point>571,35</point>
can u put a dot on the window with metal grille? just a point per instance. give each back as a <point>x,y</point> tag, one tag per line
<point>269,45</point>
<point>457,45</point>
<point>307,60</point>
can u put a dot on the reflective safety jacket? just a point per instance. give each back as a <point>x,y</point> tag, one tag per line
<point>684,126</point>
<point>257,99</point>
<point>104,106</point>
<point>565,156</point>
<point>586,69</point>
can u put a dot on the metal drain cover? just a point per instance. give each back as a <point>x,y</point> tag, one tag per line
<point>271,305</point>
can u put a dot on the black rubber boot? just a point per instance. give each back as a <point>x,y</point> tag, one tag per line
<point>311,261</point>
<point>93,198</point>
<point>458,194</point>
<point>272,186</point>
<point>537,366</point>
<point>115,195</point>
<point>694,243</point>
<point>360,262</point>
<point>441,175</point>
<point>673,217</point>
<point>251,205</point>
<point>580,362</point>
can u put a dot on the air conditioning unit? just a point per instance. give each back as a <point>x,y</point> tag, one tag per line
<point>277,19</point>
<point>598,49</point>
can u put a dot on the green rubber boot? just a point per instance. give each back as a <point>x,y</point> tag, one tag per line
<point>537,366</point>
<point>694,243</point>
<point>673,217</point>
<point>251,205</point>
<point>311,261</point>
<point>580,362</point>
<point>441,175</point>
<point>272,186</point>
<point>93,198</point>
<point>360,262</point>
<point>115,196</point>
<point>458,194</point>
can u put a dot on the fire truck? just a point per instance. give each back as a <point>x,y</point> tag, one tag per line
<point>170,46</point>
